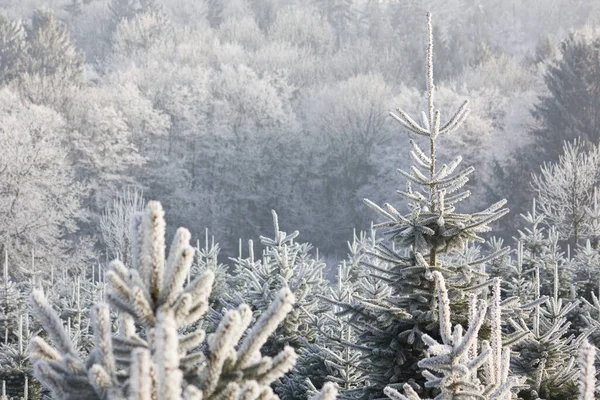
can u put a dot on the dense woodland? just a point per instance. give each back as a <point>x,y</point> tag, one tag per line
<point>405,275</point>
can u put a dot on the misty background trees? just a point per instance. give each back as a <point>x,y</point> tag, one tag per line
<point>224,110</point>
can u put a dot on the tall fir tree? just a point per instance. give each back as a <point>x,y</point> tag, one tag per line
<point>571,108</point>
<point>13,49</point>
<point>390,327</point>
<point>51,51</point>
<point>54,70</point>
<point>340,14</point>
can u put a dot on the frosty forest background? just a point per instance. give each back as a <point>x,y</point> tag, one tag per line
<point>292,199</point>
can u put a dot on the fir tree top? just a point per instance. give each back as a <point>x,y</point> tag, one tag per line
<point>433,226</point>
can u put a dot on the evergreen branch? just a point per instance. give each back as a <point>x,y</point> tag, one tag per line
<point>587,378</point>
<point>51,323</point>
<point>409,123</point>
<point>153,249</point>
<point>265,326</point>
<point>458,118</point>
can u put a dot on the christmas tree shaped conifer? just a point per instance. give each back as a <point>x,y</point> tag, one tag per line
<point>390,327</point>
<point>285,263</point>
<point>546,356</point>
<point>343,363</point>
<point>541,253</point>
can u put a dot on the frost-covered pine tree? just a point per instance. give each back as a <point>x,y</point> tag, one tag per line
<point>586,269</point>
<point>391,325</point>
<point>341,362</point>
<point>148,358</point>
<point>15,369</point>
<point>114,223</point>
<point>517,279</point>
<point>546,356</point>
<point>586,260</point>
<point>457,364</point>
<point>207,259</point>
<point>540,255</point>
<point>13,47</point>
<point>591,314</point>
<point>543,276</point>
<point>74,296</point>
<point>344,364</point>
<point>565,189</point>
<point>11,302</point>
<point>285,263</point>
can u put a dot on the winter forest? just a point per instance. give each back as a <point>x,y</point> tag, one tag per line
<point>300,199</point>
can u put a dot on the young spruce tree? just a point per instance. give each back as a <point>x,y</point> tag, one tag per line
<point>285,263</point>
<point>390,328</point>
<point>150,357</point>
